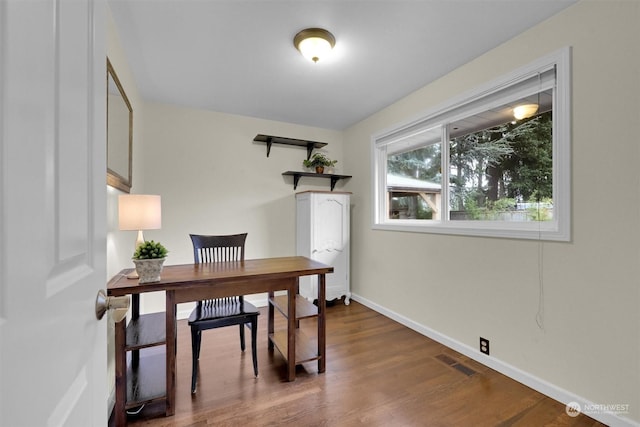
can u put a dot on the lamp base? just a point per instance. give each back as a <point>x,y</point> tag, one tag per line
<point>139,241</point>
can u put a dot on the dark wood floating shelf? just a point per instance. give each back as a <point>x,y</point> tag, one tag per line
<point>270,140</point>
<point>296,177</point>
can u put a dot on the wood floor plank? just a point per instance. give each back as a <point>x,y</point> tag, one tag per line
<point>379,373</point>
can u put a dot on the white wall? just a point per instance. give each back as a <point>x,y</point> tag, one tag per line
<point>462,288</point>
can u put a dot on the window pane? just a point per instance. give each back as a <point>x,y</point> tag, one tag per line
<point>501,168</point>
<point>414,177</point>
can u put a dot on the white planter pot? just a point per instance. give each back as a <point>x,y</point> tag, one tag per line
<point>149,269</point>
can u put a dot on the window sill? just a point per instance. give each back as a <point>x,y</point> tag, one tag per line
<point>531,231</point>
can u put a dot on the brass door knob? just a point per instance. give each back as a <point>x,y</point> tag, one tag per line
<point>119,306</point>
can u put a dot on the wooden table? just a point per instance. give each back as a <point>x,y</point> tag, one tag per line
<point>194,282</point>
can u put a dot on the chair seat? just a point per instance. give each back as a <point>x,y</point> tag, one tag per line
<point>224,310</point>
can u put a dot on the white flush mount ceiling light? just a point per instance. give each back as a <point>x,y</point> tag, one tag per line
<point>314,43</point>
<point>525,111</point>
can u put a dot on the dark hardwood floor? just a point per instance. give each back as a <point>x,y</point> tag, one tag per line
<point>379,373</point>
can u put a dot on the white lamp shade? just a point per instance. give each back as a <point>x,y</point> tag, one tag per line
<point>139,212</point>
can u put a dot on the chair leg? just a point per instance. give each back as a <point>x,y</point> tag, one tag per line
<point>254,342</point>
<point>242,346</point>
<point>195,355</point>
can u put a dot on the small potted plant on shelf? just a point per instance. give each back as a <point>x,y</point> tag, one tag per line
<point>319,161</point>
<point>148,258</point>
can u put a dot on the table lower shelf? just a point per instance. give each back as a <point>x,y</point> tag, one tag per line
<point>148,330</point>
<point>304,309</point>
<point>147,382</point>
<point>306,348</point>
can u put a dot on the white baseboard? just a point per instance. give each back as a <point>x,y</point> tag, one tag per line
<point>525,378</point>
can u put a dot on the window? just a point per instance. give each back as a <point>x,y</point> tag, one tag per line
<point>481,166</point>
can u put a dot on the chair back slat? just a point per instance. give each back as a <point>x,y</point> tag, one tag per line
<point>223,248</point>
<point>218,248</point>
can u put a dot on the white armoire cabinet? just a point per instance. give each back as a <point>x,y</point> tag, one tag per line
<point>322,234</point>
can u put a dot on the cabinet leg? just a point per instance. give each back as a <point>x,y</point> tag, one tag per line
<point>347,298</point>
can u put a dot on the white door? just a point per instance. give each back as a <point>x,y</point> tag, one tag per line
<point>52,213</point>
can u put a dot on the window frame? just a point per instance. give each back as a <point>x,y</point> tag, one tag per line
<point>558,229</point>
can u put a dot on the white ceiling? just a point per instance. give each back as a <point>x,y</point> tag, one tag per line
<point>237,56</point>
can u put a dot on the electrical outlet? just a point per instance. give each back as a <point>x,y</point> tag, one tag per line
<point>484,346</point>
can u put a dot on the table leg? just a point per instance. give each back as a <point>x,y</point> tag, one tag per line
<point>171,352</point>
<point>270,316</point>
<point>135,314</point>
<point>297,292</point>
<point>322,326</point>
<point>291,330</point>
<point>121,373</point>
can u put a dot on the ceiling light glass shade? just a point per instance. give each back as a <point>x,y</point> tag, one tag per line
<point>314,43</point>
<point>525,111</point>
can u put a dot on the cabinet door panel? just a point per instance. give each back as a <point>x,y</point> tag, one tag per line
<point>330,238</point>
<point>323,228</point>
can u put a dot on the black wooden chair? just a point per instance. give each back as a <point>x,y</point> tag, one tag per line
<point>219,312</point>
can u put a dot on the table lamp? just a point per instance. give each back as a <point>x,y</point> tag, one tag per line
<point>139,212</point>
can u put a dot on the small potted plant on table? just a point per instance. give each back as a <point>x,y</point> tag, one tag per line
<point>319,161</point>
<point>148,258</point>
